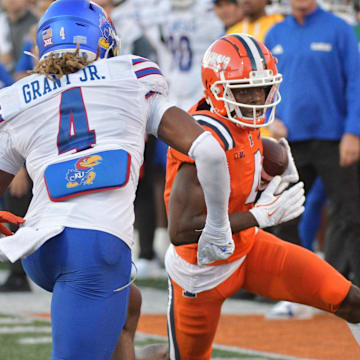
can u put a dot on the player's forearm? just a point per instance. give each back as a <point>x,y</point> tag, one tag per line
<point>188,230</point>
<point>213,175</point>
<point>240,221</point>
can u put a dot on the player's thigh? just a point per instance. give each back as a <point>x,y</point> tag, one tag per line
<point>192,322</point>
<point>87,312</point>
<point>45,264</point>
<point>281,270</point>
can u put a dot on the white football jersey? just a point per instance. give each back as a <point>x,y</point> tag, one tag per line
<point>110,104</point>
<point>188,33</point>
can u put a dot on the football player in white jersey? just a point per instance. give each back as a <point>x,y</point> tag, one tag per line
<point>79,123</point>
<point>191,27</point>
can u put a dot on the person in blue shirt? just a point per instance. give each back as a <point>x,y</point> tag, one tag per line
<point>320,115</point>
<point>5,77</point>
<point>5,80</point>
<point>25,62</point>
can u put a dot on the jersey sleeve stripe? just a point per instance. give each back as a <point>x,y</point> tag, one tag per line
<point>221,130</point>
<point>139,61</point>
<point>151,93</point>
<point>147,71</point>
<point>219,134</point>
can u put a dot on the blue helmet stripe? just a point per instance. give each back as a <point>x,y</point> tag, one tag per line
<point>246,46</point>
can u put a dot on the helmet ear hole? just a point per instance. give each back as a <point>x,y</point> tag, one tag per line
<point>215,89</point>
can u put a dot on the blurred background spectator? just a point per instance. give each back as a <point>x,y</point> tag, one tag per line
<point>313,222</point>
<point>229,12</point>
<point>190,28</point>
<point>5,43</point>
<point>133,39</point>
<point>18,19</point>
<point>256,21</point>
<point>321,121</point>
<point>5,80</point>
<point>357,20</point>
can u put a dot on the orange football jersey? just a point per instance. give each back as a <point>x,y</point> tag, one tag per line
<point>243,149</point>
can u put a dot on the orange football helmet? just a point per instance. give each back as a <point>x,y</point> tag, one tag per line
<point>240,61</point>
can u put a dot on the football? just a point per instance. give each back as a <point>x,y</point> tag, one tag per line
<point>275,159</point>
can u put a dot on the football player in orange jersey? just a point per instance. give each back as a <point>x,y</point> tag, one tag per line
<point>241,92</point>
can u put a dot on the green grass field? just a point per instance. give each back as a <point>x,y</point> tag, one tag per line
<point>30,339</point>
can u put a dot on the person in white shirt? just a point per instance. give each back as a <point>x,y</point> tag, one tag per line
<point>190,28</point>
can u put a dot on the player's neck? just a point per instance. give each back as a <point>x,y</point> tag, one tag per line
<point>300,14</point>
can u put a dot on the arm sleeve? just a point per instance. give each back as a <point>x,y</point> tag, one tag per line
<point>158,104</point>
<point>155,88</point>
<point>10,160</point>
<point>213,175</point>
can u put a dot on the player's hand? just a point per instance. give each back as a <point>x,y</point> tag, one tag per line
<point>214,244</point>
<point>8,217</point>
<point>290,175</point>
<point>278,129</point>
<point>349,149</point>
<point>272,209</point>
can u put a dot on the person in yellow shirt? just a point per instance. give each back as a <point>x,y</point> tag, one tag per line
<point>256,22</point>
<point>228,11</point>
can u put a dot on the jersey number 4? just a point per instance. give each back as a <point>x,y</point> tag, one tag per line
<point>74,131</point>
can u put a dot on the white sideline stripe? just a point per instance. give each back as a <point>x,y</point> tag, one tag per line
<point>141,336</point>
<point>37,340</point>
<point>24,329</point>
<point>258,353</point>
<point>15,321</point>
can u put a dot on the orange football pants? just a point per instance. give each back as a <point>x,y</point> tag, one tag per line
<point>273,268</point>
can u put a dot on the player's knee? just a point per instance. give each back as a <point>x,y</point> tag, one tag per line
<point>350,307</point>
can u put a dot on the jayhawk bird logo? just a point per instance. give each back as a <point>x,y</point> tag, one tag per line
<point>84,173</point>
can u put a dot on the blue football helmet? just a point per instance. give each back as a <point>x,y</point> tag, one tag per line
<point>67,23</point>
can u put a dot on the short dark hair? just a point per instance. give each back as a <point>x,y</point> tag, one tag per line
<point>217,1</point>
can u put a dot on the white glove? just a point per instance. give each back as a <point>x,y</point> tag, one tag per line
<point>290,175</point>
<point>273,209</point>
<point>214,244</point>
